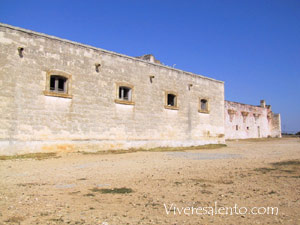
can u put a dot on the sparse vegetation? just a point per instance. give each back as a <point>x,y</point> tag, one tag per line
<point>44,214</point>
<point>74,192</point>
<point>290,135</point>
<point>15,219</point>
<point>204,181</point>
<point>37,156</point>
<point>158,149</point>
<point>122,190</point>
<point>177,182</point>
<point>259,139</point>
<point>133,188</point>
<point>264,169</point>
<point>225,182</point>
<point>89,195</point>
<point>199,147</point>
<point>287,163</point>
<point>288,166</point>
<point>30,184</point>
<point>58,220</point>
<point>199,180</point>
<point>206,192</point>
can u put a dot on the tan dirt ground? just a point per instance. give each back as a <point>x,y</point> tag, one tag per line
<point>67,190</point>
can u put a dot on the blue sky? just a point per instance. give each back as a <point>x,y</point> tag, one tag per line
<point>252,45</point>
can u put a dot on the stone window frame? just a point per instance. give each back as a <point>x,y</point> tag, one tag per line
<point>67,76</point>
<point>122,101</point>
<point>207,110</point>
<point>175,107</point>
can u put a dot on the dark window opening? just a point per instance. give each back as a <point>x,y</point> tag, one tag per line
<point>247,128</point>
<point>58,84</point>
<point>171,100</point>
<point>125,93</point>
<point>203,105</point>
<point>237,127</point>
<point>52,83</point>
<point>61,84</point>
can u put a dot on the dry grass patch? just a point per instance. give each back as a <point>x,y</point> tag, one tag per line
<point>15,219</point>
<point>287,163</point>
<point>105,152</point>
<point>158,149</point>
<point>206,192</point>
<point>264,169</point>
<point>122,190</point>
<point>256,139</point>
<point>74,192</point>
<point>89,195</point>
<point>203,181</point>
<point>36,156</point>
<point>288,166</point>
<point>199,147</point>
<point>178,182</point>
<point>57,220</point>
<point>30,184</point>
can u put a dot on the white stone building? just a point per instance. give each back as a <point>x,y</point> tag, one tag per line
<point>59,95</point>
<point>249,121</point>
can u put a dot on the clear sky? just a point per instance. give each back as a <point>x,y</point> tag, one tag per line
<point>252,45</point>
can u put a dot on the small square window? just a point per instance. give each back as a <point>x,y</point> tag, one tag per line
<point>58,84</point>
<point>124,94</point>
<point>171,100</point>
<point>203,105</point>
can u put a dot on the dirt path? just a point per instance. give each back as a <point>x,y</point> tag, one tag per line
<point>68,190</point>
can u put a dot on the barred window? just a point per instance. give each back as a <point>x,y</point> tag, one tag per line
<point>58,84</point>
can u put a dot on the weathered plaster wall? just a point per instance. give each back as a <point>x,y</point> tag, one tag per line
<point>91,120</point>
<point>276,125</point>
<point>248,121</point>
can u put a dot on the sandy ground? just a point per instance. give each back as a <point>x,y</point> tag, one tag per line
<point>67,190</point>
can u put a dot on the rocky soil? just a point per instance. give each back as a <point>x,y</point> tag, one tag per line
<point>157,187</point>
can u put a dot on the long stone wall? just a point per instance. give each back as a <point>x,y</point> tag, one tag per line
<point>248,121</point>
<point>89,116</point>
